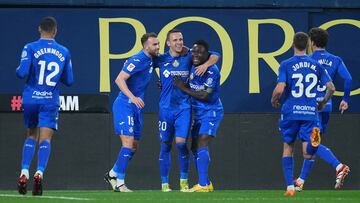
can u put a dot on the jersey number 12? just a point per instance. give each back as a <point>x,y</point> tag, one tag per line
<point>52,66</point>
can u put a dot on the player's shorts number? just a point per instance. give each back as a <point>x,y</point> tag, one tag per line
<point>52,66</point>
<point>162,125</point>
<point>312,78</point>
<point>130,120</point>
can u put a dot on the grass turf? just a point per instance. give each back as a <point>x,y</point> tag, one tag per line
<point>276,196</point>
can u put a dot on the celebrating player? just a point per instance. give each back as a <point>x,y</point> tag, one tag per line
<point>208,111</point>
<point>127,108</point>
<point>44,63</point>
<point>175,107</point>
<point>298,79</point>
<point>334,65</point>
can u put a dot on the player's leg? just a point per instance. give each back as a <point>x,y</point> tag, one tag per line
<point>310,135</point>
<point>327,155</point>
<point>166,136</point>
<point>308,163</point>
<point>31,122</point>
<point>182,126</point>
<point>289,130</point>
<point>124,117</point>
<point>48,118</point>
<point>207,131</point>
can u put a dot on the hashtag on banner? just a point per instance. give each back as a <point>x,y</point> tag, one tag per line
<point>16,103</point>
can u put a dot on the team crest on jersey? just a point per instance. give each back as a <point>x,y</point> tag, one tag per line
<point>166,73</point>
<point>191,76</point>
<point>130,67</point>
<point>176,63</point>
<point>23,54</point>
<point>209,81</point>
<point>131,129</point>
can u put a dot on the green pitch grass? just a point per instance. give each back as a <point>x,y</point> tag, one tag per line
<point>276,196</point>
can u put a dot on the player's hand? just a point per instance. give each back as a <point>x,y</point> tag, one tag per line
<point>159,85</point>
<point>200,70</point>
<point>178,82</point>
<point>321,105</point>
<point>138,102</point>
<point>275,103</point>
<point>343,106</point>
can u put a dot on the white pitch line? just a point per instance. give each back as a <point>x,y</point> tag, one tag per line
<point>48,197</point>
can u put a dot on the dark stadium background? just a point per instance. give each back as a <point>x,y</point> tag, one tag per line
<point>247,151</point>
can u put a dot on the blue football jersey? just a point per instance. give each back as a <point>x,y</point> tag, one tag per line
<point>44,63</point>
<point>211,79</point>
<point>139,67</point>
<point>302,75</point>
<point>334,65</point>
<point>169,66</point>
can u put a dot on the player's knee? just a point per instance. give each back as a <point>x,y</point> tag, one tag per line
<point>182,148</point>
<point>204,141</point>
<point>165,147</point>
<point>288,149</point>
<point>127,141</point>
<point>310,151</point>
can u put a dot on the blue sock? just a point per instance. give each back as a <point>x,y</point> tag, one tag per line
<point>122,162</point>
<point>288,167</point>
<point>28,153</point>
<point>203,162</point>
<point>183,158</point>
<point>306,168</point>
<point>326,154</point>
<point>311,150</point>
<point>115,168</point>
<point>43,155</point>
<point>165,162</point>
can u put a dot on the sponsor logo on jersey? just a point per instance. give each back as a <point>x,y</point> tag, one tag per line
<point>304,109</point>
<point>130,67</point>
<point>197,87</point>
<point>166,73</point>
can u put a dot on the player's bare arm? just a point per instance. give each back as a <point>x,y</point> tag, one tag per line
<point>200,95</point>
<point>201,69</point>
<point>275,99</point>
<point>120,82</point>
<point>330,89</point>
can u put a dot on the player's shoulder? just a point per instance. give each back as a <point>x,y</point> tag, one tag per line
<point>138,57</point>
<point>213,70</point>
<point>288,61</point>
<point>30,45</point>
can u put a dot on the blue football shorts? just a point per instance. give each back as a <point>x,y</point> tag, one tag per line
<point>174,123</point>
<point>127,118</point>
<point>41,115</point>
<point>292,129</point>
<point>207,123</point>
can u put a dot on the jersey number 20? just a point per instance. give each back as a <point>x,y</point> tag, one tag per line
<point>312,78</point>
<point>52,66</point>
